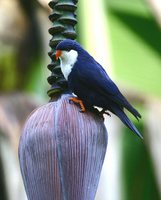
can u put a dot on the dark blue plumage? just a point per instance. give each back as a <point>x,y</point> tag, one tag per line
<point>89,81</point>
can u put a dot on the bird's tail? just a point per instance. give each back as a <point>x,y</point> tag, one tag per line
<point>126,121</point>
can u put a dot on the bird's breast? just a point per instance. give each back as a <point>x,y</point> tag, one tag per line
<point>67,62</point>
<point>66,69</point>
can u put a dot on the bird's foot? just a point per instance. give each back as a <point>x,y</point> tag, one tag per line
<point>105,112</point>
<point>99,113</point>
<point>96,112</point>
<point>78,101</point>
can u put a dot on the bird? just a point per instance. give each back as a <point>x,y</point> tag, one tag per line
<point>91,84</point>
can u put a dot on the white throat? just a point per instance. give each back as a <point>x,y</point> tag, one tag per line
<point>67,61</point>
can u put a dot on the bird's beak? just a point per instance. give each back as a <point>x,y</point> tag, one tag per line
<point>58,54</point>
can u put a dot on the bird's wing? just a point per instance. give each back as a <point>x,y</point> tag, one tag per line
<point>91,73</point>
<point>94,76</point>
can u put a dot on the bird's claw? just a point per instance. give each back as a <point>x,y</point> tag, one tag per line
<point>70,101</point>
<point>107,113</point>
<point>78,101</point>
<point>81,111</point>
<point>104,112</point>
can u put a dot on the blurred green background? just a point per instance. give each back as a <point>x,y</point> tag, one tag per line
<point>136,45</point>
<point>125,37</point>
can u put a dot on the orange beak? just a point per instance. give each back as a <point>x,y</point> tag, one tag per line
<point>58,54</point>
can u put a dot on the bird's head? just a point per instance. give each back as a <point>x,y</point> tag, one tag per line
<point>65,47</point>
<point>67,51</point>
